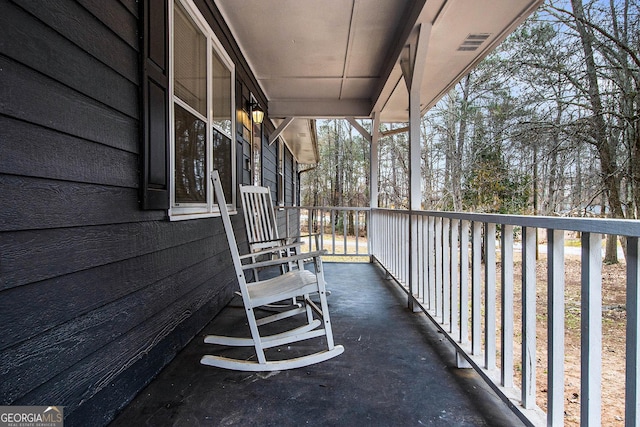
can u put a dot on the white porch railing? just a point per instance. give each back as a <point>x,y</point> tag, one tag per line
<point>448,262</point>
<point>341,231</point>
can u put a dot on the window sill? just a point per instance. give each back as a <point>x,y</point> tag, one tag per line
<point>184,217</point>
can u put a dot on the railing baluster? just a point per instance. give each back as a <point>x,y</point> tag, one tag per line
<point>396,247</point>
<point>476,271</point>
<point>368,226</point>
<point>555,279</point>
<point>632,415</point>
<point>357,230</point>
<point>344,230</point>
<point>528,317</point>
<point>438,249</point>
<point>395,236</point>
<point>446,272</point>
<point>421,259</point>
<point>455,291</point>
<point>490,296</point>
<point>408,249</point>
<point>506,248</point>
<point>323,222</point>
<point>332,217</point>
<point>464,282</point>
<point>431,263</point>
<point>591,327</point>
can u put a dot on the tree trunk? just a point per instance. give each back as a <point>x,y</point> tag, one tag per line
<point>456,176</point>
<point>606,152</point>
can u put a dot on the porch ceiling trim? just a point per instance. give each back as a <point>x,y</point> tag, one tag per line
<point>341,58</point>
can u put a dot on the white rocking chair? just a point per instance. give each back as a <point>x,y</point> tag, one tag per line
<point>262,227</point>
<point>292,284</point>
<point>262,230</point>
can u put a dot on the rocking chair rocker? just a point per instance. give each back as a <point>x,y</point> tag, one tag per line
<point>296,283</point>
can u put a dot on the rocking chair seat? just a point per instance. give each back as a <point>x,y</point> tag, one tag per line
<point>286,286</point>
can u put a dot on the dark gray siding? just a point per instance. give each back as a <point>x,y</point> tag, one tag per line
<point>270,167</point>
<point>96,295</point>
<point>289,176</point>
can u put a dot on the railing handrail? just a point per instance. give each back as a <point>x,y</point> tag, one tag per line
<point>620,227</point>
<point>617,226</point>
<point>326,208</point>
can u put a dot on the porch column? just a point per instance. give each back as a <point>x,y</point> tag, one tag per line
<point>413,63</point>
<point>373,167</point>
<point>373,161</point>
<point>373,180</point>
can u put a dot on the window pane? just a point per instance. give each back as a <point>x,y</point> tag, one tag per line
<point>222,161</point>
<point>190,155</point>
<point>257,154</point>
<point>221,87</point>
<point>190,62</point>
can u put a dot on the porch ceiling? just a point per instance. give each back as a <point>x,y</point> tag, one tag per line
<point>341,58</point>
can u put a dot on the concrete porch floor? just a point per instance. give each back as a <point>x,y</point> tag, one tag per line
<point>396,370</point>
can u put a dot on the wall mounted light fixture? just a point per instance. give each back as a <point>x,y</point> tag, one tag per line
<point>257,113</point>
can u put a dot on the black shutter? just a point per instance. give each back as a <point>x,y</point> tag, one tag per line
<point>154,123</point>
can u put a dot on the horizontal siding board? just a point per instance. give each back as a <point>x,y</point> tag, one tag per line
<point>131,6</point>
<point>92,350</point>
<point>36,151</point>
<point>79,26</point>
<point>30,42</point>
<point>78,293</point>
<point>41,204</point>
<point>117,292</point>
<point>64,251</point>
<point>102,408</point>
<point>33,97</point>
<point>115,16</point>
<point>269,167</point>
<point>288,178</point>
<point>95,372</point>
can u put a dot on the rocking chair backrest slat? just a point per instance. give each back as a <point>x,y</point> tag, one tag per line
<point>259,215</point>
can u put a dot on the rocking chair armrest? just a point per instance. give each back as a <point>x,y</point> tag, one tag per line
<point>283,260</point>
<point>300,236</point>
<point>275,249</point>
<point>282,240</point>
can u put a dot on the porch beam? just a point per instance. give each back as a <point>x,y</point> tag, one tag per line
<point>357,126</point>
<point>320,108</point>
<point>281,128</point>
<point>411,19</point>
<point>395,131</point>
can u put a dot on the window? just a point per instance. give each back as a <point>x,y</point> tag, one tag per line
<point>256,153</point>
<point>201,111</point>
<point>280,172</point>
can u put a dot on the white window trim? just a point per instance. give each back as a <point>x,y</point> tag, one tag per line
<point>280,177</point>
<point>208,209</point>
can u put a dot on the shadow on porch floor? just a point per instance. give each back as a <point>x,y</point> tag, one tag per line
<point>396,370</point>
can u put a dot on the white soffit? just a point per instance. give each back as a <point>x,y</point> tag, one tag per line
<point>300,137</point>
<point>340,58</point>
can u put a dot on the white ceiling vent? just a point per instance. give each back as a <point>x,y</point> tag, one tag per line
<point>473,42</point>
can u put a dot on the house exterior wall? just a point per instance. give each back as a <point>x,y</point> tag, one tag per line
<point>97,295</point>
